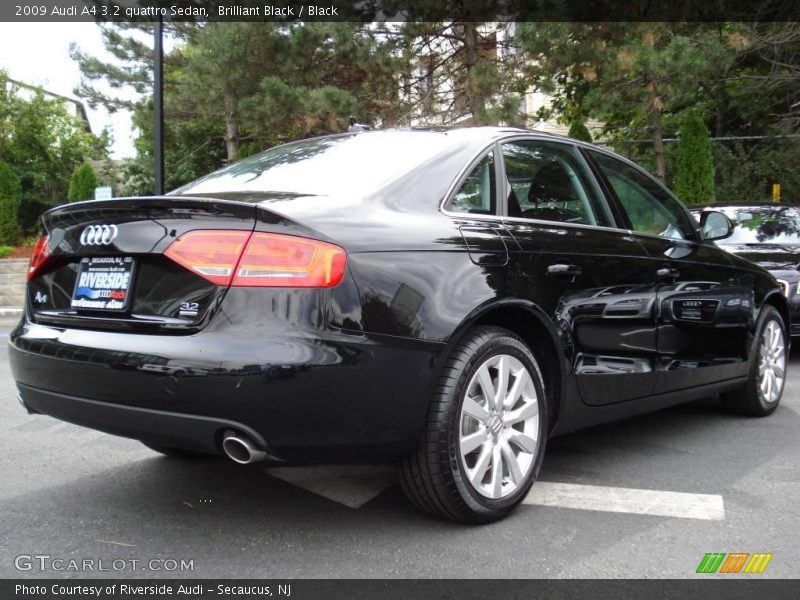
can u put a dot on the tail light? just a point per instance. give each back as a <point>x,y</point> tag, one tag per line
<point>39,257</point>
<point>242,259</point>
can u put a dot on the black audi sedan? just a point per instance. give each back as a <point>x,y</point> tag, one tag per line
<point>446,299</point>
<point>767,234</point>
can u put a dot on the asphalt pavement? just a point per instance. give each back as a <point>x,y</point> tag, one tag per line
<point>646,497</point>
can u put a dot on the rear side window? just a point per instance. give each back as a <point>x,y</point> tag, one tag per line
<point>548,182</point>
<point>649,207</point>
<point>477,193</point>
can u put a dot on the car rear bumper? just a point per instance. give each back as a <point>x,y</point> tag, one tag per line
<point>178,430</point>
<point>322,398</point>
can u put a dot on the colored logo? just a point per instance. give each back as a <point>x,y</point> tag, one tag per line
<point>734,562</point>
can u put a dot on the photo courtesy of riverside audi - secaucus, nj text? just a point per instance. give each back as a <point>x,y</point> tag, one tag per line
<point>392,299</point>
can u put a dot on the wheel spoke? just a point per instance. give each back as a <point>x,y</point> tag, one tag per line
<point>485,381</point>
<point>496,484</point>
<point>778,371</point>
<point>531,409</point>
<point>520,377</point>
<point>475,410</point>
<point>512,464</point>
<point>473,441</point>
<point>523,441</point>
<point>502,382</point>
<point>768,382</point>
<point>477,473</point>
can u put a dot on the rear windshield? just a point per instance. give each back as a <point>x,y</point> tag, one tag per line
<point>350,164</point>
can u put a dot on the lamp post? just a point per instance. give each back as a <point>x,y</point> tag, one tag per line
<point>158,105</point>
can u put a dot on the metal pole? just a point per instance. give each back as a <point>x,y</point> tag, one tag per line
<point>158,106</point>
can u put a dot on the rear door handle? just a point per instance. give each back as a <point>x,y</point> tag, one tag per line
<point>668,273</point>
<point>564,270</point>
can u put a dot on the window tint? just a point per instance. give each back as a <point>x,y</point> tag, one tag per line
<point>649,207</point>
<point>477,194</point>
<point>547,181</point>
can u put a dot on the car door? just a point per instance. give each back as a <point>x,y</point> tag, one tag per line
<point>704,307</point>
<point>572,261</point>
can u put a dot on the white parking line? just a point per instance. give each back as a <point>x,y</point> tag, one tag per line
<point>709,507</point>
<point>352,486</point>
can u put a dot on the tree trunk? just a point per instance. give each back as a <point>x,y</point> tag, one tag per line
<point>475,102</point>
<point>231,127</point>
<point>654,117</point>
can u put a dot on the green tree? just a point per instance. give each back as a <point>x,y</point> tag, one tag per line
<point>462,71</point>
<point>43,143</point>
<point>232,88</point>
<point>694,183</point>
<point>636,77</point>
<point>9,204</point>
<point>82,183</point>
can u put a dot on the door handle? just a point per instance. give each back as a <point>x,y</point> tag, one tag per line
<point>668,273</point>
<point>564,270</point>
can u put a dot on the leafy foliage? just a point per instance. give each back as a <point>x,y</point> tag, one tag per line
<point>9,204</point>
<point>82,183</point>
<point>579,131</point>
<point>43,143</point>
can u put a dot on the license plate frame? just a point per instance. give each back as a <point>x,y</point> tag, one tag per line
<point>104,284</point>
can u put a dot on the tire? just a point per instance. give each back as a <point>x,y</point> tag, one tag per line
<point>449,478</point>
<point>176,452</point>
<point>759,398</point>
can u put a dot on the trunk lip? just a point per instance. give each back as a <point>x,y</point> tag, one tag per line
<point>155,201</point>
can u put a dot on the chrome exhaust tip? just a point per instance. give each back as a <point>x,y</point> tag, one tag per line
<point>241,449</point>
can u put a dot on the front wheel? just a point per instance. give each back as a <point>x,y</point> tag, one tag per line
<point>762,393</point>
<point>485,434</point>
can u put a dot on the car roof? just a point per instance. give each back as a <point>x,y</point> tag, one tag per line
<point>487,133</point>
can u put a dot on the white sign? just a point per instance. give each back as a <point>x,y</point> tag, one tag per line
<point>103,193</point>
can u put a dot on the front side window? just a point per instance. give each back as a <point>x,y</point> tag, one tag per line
<point>547,181</point>
<point>477,193</point>
<point>649,207</point>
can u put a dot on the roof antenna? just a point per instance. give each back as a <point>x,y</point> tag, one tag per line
<point>355,126</point>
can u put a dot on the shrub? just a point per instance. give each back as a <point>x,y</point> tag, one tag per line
<point>579,131</point>
<point>82,183</point>
<point>694,183</point>
<point>9,205</point>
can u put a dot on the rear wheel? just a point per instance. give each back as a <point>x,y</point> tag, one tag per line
<point>762,394</point>
<point>484,439</point>
<point>176,452</point>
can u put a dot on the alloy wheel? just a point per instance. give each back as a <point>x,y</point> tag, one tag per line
<point>499,427</point>
<point>772,362</point>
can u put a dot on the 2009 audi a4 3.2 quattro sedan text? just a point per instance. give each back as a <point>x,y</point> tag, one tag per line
<point>447,299</point>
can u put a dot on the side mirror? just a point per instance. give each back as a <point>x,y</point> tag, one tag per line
<point>715,225</point>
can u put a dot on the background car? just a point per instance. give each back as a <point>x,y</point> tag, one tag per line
<point>448,299</point>
<point>767,234</point>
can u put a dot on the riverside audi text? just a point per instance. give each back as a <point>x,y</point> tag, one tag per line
<point>444,299</point>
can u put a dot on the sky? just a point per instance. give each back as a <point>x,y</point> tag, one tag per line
<point>38,53</point>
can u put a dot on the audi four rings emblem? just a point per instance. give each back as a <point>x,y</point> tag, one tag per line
<point>99,235</point>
